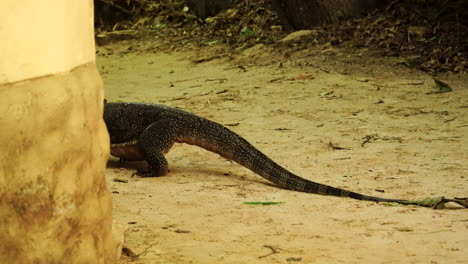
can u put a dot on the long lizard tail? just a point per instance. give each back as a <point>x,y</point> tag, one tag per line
<point>219,139</point>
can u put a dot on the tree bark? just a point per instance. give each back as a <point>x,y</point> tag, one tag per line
<point>301,14</point>
<point>207,8</point>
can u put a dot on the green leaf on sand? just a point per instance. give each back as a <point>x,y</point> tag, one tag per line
<point>428,202</point>
<point>436,202</point>
<point>443,87</point>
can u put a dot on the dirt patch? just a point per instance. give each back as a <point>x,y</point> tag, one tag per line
<point>398,140</point>
<point>428,35</point>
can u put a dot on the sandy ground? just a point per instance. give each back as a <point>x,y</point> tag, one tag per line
<point>399,139</point>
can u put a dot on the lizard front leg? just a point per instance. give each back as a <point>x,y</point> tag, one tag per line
<point>156,140</point>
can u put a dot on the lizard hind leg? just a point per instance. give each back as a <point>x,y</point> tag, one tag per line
<point>156,140</point>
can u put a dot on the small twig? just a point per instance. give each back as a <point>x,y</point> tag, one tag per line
<point>185,80</point>
<point>206,59</point>
<point>231,124</point>
<point>367,139</point>
<point>273,251</point>
<point>120,180</point>
<point>414,83</point>
<point>223,91</point>
<point>181,231</point>
<point>276,79</point>
<point>169,226</point>
<point>336,147</point>
<point>221,80</point>
<point>242,68</point>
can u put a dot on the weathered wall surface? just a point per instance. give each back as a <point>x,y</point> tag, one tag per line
<point>54,203</point>
<point>44,37</point>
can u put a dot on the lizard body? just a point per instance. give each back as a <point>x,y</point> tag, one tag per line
<point>147,131</point>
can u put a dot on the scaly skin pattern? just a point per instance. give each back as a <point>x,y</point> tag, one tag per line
<point>147,131</point>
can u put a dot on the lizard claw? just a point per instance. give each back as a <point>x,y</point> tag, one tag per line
<point>143,173</point>
<point>147,173</point>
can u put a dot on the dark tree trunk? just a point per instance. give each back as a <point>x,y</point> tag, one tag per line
<point>300,14</point>
<point>207,8</point>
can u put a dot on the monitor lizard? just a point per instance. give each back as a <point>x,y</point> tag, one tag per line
<point>145,132</point>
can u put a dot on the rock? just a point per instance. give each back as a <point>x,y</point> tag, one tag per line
<point>297,37</point>
<point>114,36</point>
<point>254,51</point>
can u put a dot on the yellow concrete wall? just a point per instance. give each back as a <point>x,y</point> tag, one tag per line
<point>54,203</point>
<point>44,37</point>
